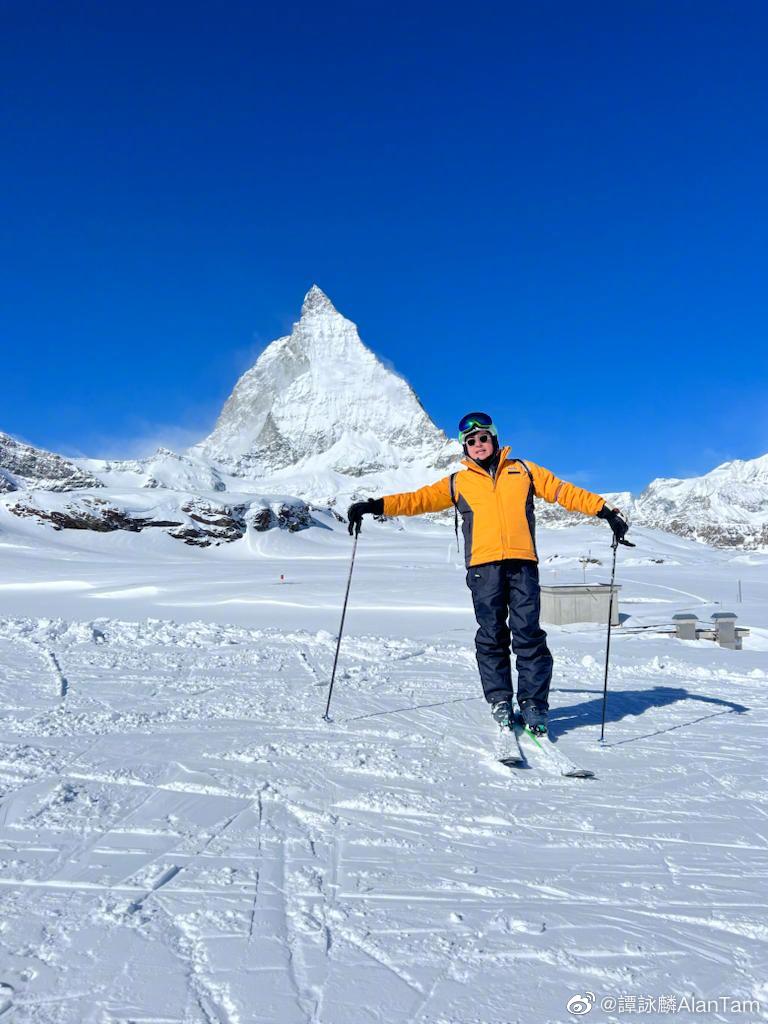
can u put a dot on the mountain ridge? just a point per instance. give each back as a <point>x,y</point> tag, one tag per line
<point>321,419</point>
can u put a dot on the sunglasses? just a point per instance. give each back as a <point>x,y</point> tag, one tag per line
<point>479,439</point>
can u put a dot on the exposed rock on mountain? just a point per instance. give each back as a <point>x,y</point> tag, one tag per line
<point>86,513</point>
<point>23,465</point>
<point>208,523</point>
<point>727,507</point>
<point>195,521</point>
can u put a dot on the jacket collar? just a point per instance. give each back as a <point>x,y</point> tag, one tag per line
<point>471,464</point>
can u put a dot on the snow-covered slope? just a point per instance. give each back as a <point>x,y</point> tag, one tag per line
<point>184,839</point>
<point>164,469</point>
<point>727,507</point>
<point>320,398</point>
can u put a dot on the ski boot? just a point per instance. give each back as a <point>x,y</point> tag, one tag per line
<point>501,710</point>
<point>534,716</point>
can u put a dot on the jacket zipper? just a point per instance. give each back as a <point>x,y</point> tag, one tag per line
<point>494,479</point>
<point>500,510</point>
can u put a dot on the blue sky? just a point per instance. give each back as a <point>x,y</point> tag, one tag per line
<point>552,211</point>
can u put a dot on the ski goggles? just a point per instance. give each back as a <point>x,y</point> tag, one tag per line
<point>475,421</point>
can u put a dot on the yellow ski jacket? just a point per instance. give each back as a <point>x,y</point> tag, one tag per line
<point>497,512</point>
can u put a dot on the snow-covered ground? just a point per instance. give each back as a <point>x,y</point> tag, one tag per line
<point>184,839</point>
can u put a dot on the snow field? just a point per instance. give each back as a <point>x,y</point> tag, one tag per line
<point>182,838</point>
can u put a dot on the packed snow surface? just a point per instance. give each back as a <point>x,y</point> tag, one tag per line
<point>184,839</point>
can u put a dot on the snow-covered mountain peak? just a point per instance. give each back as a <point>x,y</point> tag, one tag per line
<point>727,506</point>
<point>316,301</point>
<point>321,392</point>
<point>747,470</point>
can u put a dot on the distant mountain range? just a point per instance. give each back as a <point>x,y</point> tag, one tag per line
<point>317,421</point>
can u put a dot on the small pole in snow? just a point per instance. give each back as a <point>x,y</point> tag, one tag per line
<point>739,591</point>
<point>326,716</point>
<point>282,577</point>
<point>614,545</point>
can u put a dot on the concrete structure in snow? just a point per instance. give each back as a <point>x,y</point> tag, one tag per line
<point>685,625</point>
<point>725,630</point>
<point>564,603</point>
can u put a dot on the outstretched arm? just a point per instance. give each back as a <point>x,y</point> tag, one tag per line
<point>432,498</point>
<point>577,499</point>
<point>553,489</point>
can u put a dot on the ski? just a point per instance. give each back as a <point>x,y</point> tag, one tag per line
<point>508,749</point>
<point>543,743</point>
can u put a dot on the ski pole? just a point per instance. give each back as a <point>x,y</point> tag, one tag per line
<point>614,545</point>
<point>617,539</point>
<point>341,626</point>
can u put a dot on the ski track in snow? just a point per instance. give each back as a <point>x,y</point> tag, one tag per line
<point>183,839</point>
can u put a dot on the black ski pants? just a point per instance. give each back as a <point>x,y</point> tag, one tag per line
<point>506,596</point>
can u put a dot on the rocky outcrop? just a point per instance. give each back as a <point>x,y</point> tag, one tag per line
<point>95,514</point>
<point>727,507</point>
<point>291,516</point>
<point>23,466</point>
<point>200,522</point>
<point>294,517</point>
<point>209,523</point>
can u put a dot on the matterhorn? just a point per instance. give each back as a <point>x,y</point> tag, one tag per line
<point>319,400</point>
<point>317,422</point>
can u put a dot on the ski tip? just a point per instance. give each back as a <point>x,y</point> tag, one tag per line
<point>580,773</point>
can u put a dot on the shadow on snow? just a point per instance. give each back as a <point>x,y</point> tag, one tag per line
<point>625,703</point>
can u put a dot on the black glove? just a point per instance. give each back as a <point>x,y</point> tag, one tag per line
<point>617,523</point>
<point>373,507</point>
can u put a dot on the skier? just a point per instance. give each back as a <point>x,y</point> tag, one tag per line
<point>494,495</point>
